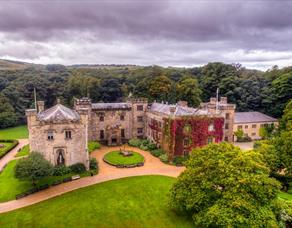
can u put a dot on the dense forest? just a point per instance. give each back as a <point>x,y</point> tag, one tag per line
<point>267,92</point>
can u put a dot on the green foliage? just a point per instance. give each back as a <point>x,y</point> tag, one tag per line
<point>61,170</point>
<point>92,146</point>
<point>143,144</point>
<point>286,120</point>
<point>267,131</point>
<point>93,165</point>
<point>77,168</point>
<point>239,134</point>
<point>8,117</point>
<point>33,168</point>
<point>135,142</point>
<point>180,160</point>
<point>224,186</point>
<point>188,90</point>
<point>164,158</point>
<point>157,152</point>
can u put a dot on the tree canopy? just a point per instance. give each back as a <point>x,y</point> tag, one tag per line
<point>224,186</point>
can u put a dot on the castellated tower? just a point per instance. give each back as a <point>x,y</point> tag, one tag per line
<point>59,134</point>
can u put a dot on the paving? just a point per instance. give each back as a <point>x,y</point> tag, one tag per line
<point>152,166</point>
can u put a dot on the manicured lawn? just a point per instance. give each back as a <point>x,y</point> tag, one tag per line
<point>3,150</point>
<point>116,158</point>
<point>23,152</point>
<point>19,132</point>
<point>10,186</point>
<point>128,202</point>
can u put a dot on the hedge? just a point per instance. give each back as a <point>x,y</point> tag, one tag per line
<point>7,149</point>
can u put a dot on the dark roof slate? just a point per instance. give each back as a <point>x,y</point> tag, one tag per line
<point>252,117</point>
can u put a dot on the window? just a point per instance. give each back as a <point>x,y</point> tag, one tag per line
<point>50,135</point>
<point>239,127</point>
<point>140,118</point>
<point>253,134</point>
<point>187,129</point>
<point>254,126</point>
<point>159,124</point>
<point>123,133</point>
<point>211,127</point>
<point>122,117</point>
<point>101,134</point>
<point>226,138</point>
<point>101,118</point>
<point>68,135</point>
<point>226,126</point>
<point>246,126</point>
<point>140,130</point>
<point>210,140</point>
<point>185,152</point>
<point>227,116</point>
<point>187,142</point>
<point>139,107</point>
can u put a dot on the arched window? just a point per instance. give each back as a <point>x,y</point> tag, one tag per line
<point>60,157</point>
<point>187,142</point>
<point>187,129</point>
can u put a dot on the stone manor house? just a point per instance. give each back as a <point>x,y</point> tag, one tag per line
<point>61,134</point>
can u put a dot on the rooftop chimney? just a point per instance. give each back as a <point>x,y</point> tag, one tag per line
<point>41,106</point>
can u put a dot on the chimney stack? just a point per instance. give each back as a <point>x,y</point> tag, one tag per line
<point>41,106</point>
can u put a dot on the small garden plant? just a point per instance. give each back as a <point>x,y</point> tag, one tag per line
<point>24,151</point>
<point>92,146</point>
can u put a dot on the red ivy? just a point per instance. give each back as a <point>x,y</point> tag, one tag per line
<point>199,134</point>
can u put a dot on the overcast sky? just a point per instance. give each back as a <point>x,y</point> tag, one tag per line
<point>257,34</point>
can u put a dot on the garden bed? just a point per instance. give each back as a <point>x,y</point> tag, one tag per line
<point>9,144</point>
<point>120,160</point>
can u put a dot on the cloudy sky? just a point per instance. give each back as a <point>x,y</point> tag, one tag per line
<point>257,34</point>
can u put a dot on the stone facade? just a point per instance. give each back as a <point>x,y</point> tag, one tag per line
<point>59,134</point>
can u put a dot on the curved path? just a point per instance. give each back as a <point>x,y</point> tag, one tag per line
<point>10,156</point>
<point>152,166</point>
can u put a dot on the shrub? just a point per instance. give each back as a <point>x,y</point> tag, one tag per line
<point>61,170</point>
<point>135,142</point>
<point>92,146</point>
<point>179,160</point>
<point>157,152</point>
<point>78,168</point>
<point>93,164</point>
<point>143,147</point>
<point>163,158</point>
<point>151,146</point>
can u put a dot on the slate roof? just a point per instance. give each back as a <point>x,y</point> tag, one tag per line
<point>58,113</point>
<point>180,110</point>
<point>252,117</point>
<point>110,106</point>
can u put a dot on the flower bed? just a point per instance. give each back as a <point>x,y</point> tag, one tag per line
<point>9,145</point>
<point>118,159</point>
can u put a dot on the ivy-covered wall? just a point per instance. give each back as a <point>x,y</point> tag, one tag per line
<point>195,130</point>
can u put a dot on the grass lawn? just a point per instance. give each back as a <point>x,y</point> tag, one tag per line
<point>116,158</point>
<point>6,144</point>
<point>23,152</point>
<point>128,202</point>
<point>10,186</point>
<point>19,132</point>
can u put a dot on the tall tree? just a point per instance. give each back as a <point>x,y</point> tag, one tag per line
<point>224,186</point>
<point>8,117</point>
<point>188,90</point>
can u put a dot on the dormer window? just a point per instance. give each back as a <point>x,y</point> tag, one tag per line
<point>50,135</point>
<point>68,135</point>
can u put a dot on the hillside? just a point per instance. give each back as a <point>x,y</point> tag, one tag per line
<point>12,65</point>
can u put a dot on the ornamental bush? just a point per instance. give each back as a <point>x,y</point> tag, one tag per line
<point>93,164</point>
<point>61,170</point>
<point>151,146</point>
<point>180,160</point>
<point>164,158</point>
<point>78,168</point>
<point>92,146</point>
<point>157,152</point>
<point>135,142</point>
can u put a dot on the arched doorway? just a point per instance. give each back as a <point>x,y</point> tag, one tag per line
<point>60,157</point>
